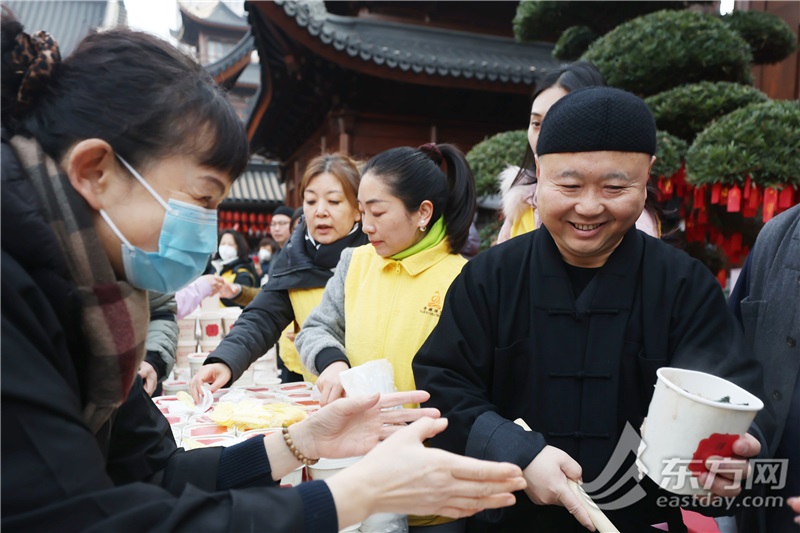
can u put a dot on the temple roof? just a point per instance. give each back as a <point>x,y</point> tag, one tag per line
<point>68,22</point>
<point>258,185</point>
<point>215,13</point>
<point>419,49</point>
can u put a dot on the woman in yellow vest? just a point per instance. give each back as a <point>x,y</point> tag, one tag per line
<point>235,265</point>
<point>301,270</point>
<point>386,297</point>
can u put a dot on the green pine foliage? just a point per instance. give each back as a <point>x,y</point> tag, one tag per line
<point>687,110</point>
<point>761,140</point>
<point>546,20</point>
<point>573,43</point>
<point>662,50</point>
<point>491,156</point>
<point>770,38</point>
<point>670,151</point>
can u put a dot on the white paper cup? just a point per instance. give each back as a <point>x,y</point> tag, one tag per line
<point>293,478</point>
<point>246,379</point>
<point>197,431</point>
<point>191,443</point>
<point>196,360</point>
<point>229,317</point>
<point>686,423</point>
<point>185,347</point>
<point>326,468</point>
<point>187,328</point>
<point>209,345</point>
<point>173,386</point>
<point>211,326</point>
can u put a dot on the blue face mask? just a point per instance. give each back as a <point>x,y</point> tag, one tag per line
<point>188,238</point>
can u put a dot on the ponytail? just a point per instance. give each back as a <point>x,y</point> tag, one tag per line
<point>414,175</point>
<point>459,211</point>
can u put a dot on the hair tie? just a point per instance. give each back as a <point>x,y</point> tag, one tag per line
<point>432,151</point>
<point>38,57</point>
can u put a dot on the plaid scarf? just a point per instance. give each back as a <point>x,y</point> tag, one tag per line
<point>115,315</point>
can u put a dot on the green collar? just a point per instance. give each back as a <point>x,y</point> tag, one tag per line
<point>436,235</point>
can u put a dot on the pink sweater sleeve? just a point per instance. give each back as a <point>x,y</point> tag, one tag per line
<point>189,297</point>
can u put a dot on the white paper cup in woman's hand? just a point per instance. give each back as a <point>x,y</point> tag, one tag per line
<point>692,416</point>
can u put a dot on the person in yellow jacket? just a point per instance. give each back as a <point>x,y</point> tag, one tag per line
<point>386,297</point>
<point>331,223</point>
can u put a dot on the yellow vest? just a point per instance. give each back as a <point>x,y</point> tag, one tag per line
<point>392,306</point>
<point>303,302</point>
<point>524,224</point>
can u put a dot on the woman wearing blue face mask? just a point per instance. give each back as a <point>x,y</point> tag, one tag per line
<point>235,265</point>
<point>113,163</point>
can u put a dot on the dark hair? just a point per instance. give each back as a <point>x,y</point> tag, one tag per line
<point>570,78</point>
<point>242,249</point>
<point>413,176</point>
<point>266,241</point>
<point>341,167</point>
<point>135,91</point>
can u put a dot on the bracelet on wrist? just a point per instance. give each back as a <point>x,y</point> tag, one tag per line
<point>297,455</point>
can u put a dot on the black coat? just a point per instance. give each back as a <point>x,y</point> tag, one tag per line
<point>57,474</point>
<point>514,342</point>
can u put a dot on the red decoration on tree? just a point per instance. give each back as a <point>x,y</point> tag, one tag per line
<point>785,197</point>
<point>716,192</point>
<point>722,277</point>
<point>746,190</point>
<point>665,186</point>
<point>770,202</point>
<point>734,199</point>
<point>700,197</point>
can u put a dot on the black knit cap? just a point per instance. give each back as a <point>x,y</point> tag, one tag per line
<point>284,210</point>
<point>596,119</point>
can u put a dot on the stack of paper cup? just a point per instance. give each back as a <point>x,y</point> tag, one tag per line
<point>229,316</point>
<point>692,416</point>
<point>187,327</point>
<point>211,332</point>
<point>211,325</point>
<point>185,347</point>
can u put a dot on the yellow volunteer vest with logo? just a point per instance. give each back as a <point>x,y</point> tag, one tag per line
<point>392,306</point>
<point>303,302</point>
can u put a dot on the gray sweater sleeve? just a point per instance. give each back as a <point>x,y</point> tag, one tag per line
<point>162,334</point>
<point>324,328</point>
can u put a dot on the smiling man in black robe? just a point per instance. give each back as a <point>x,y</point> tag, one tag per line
<point>566,326</point>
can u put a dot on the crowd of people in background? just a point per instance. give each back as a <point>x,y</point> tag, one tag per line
<point>115,161</point>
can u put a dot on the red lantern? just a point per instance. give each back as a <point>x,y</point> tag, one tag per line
<point>785,197</point>
<point>770,203</point>
<point>734,199</point>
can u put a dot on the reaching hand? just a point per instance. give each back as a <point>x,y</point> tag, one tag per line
<point>353,426</point>
<point>330,384</point>
<point>216,282</point>
<point>547,483</point>
<point>217,374</point>
<point>149,377</point>
<point>230,290</point>
<point>403,476</point>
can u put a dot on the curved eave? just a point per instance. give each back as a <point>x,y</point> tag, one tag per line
<point>228,68</point>
<point>211,24</point>
<point>472,74</point>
